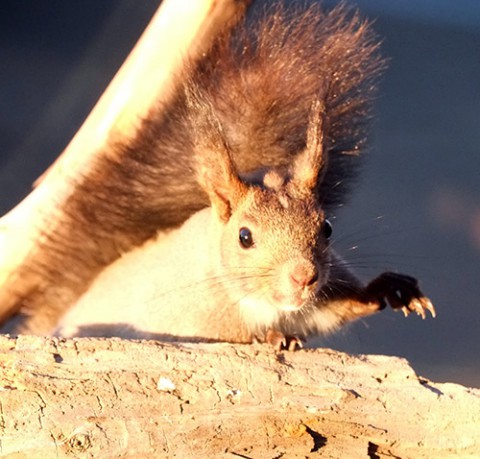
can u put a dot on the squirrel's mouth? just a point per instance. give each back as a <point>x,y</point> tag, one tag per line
<point>294,301</point>
<point>290,304</point>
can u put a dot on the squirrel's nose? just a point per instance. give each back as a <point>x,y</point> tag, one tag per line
<point>304,274</point>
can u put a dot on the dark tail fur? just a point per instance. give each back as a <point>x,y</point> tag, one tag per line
<point>261,81</point>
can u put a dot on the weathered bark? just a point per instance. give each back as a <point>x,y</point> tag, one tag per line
<point>114,398</point>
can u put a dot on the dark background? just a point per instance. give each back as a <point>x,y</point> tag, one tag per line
<point>417,208</point>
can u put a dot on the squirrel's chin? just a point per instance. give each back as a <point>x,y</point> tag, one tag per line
<point>292,306</point>
<point>289,302</point>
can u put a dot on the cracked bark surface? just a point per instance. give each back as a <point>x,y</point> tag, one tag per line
<point>108,398</point>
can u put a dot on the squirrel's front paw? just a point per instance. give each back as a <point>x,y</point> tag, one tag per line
<point>401,292</point>
<point>281,342</point>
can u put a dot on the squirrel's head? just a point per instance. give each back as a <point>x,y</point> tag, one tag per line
<point>273,247</point>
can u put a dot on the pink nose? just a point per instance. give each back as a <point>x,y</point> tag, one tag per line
<point>304,274</point>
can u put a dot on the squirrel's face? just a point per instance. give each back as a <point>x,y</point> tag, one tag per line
<point>273,251</point>
<point>276,248</point>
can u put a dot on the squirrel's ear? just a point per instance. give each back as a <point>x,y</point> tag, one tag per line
<point>310,165</point>
<point>214,166</point>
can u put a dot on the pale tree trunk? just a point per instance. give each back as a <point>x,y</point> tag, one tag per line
<point>111,398</point>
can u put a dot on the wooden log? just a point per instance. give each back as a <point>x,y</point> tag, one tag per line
<point>109,398</point>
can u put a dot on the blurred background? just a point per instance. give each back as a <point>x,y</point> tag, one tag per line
<point>417,207</point>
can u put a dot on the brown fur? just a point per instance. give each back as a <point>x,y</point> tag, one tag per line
<point>260,83</point>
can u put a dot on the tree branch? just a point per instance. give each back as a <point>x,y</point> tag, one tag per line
<point>116,398</point>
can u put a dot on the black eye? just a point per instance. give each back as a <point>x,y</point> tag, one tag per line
<point>245,237</point>
<point>327,229</point>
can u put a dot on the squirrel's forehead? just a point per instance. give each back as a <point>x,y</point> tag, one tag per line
<point>279,204</point>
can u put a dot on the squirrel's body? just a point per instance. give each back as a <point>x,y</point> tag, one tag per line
<point>257,265</point>
<point>264,98</point>
<point>183,286</point>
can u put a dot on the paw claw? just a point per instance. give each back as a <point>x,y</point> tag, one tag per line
<point>427,304</point>
<point>417,307</point>
<point>281,342</point>
<point>401,292</point>
<point>420,306</point>
<point>295,343</point>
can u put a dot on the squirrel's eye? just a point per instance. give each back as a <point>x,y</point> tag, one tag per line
<point>245,237</point>
<point>327,229</point>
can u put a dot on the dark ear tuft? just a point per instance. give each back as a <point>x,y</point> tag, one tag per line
<point>216,172</point>
<point>309,166</point>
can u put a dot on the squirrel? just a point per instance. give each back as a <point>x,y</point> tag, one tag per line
<point>279,113</point>
<point>255,266</point>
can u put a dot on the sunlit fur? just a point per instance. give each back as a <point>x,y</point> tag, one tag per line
<point>198,282</point>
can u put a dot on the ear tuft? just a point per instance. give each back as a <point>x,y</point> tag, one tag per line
<point>310,165</point>
<point>216,172</point>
